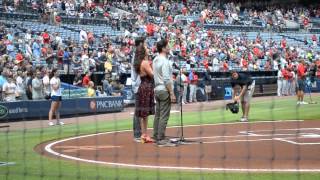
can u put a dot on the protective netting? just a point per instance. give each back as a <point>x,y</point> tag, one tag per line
<point>228,92</point>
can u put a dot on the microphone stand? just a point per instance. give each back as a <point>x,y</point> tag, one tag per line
<point>182,140</point>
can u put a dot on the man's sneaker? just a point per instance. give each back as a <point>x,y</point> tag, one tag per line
<point>137,140</point>
<point>165,143</point>
<point>60,123</point>
<point>298,102</point>
<point>244,119</point>
<point>302,102</point>
<point>51,123</point>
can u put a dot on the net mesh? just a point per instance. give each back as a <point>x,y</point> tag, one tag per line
<point>94,138</point>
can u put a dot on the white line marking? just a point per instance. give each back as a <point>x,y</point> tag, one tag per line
<point>294,142</point>
<point>293,129</point>
<point>48,148</point>
<point>6,163</point>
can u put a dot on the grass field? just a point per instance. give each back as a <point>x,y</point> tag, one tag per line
<point>17,146</point>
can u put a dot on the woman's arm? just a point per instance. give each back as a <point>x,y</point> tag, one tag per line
<point>146,67</point>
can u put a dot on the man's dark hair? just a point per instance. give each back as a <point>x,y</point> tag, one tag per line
<point>139,40</point>
<point>161,44</point>
<point>233,71</point>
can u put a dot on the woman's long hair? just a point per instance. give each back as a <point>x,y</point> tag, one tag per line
<point>51,75</point>
<point>139,56</point>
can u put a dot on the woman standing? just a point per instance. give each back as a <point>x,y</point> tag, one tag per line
<point>56,97</point>
<point>145,103</point>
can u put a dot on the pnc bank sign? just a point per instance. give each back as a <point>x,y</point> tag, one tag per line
<point>100,105</point>
<point>3,111</point>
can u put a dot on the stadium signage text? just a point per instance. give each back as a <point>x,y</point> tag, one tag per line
<point>109,104</point>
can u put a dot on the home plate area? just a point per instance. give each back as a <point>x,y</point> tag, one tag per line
<point>283,146</point>
<point>300,136</point>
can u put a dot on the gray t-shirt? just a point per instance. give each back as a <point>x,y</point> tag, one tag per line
<point>135,78</point>
<point>162,70</point>
<point>37,89</point>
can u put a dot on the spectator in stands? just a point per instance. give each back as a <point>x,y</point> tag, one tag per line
<point>3,48</point>
<point>85,62</point>
<point>9,89</point>
<point>83,36</point>
<point>91,90</point>
<point>208,84</point>
<point>21,85</point>
<point>66,60</point>
<point>46,37</point>
<point>86,79</point>
<point>56,97</point>
<point>116,86</point>
<point>77,79</point>
<point>29,84</point>
<point>36,50</point>
<point>280,81</point>
<point>3,80</point>
<point>37,86</point>
<point>193,77</point>
<point>46,83</point>
<point>106,85</point>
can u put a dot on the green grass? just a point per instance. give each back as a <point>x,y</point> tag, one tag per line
<point>18,147</point>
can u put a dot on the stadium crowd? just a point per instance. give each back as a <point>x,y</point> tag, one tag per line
<point>28,58</point>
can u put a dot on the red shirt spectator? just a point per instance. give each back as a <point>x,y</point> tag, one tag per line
<point>170,19</point>
<point>19,57</point>
<point>46,37</point>
<point>86,79</point>
<point>150,29</point>
<point>285,73</point>
<point>225,66</point>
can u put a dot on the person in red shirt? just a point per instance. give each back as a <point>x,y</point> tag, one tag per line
<point>225,66</point>
<point>86,79</point>
<point>45,37</point>
<point>301,72</point>
<point>19,57</point>
<point>150,29</point>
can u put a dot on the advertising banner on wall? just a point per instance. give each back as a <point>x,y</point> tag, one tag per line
<point>39,109</point>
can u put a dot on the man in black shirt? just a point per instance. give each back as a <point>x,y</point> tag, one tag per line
<point>246,85</point>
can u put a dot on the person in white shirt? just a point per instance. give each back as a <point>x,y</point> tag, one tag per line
<point>37,87</point>
<point>83,36</point>
<point>46,84</point>
<point>21,86</point>
<point>56,97</point>
<point>280,81</point>
<point>10,90</point>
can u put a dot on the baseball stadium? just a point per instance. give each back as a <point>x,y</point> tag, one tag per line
<point>145,90</point>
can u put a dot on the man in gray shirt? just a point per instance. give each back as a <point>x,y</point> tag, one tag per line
<point>164,95</point>
<point>37,87</point>
<point>135,86</point>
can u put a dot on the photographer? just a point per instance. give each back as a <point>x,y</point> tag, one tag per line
<point>246,85</point>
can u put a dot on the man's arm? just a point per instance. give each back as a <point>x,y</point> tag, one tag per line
<point>167,78</point>
<point>243,90</point>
